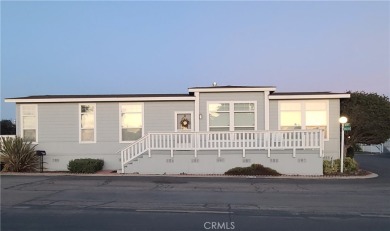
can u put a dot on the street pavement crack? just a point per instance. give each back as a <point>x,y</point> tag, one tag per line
<point>20,186</point>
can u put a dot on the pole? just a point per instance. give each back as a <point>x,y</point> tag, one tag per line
<point>342,149</point>
<point>41,163</point>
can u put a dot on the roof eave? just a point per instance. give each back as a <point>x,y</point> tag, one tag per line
<point>320,96</point>
<point>232,89</point>
<point>111,99</point>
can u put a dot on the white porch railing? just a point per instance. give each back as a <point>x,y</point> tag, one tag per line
<point>240,140</point>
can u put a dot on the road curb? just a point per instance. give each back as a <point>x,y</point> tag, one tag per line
<point>369,176</point>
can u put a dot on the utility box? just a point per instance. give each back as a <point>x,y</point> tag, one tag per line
<point>40,153</point>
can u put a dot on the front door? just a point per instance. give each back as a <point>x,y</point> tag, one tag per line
<point>183,125</point>
<point>183,121</point>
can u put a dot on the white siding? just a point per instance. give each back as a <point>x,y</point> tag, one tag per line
<point>160,116</point>
<point>332,147</point>
<point>107,122</point>
<point>58,126</point>
<point>18,124</point>
<point>58,122</point>
<point>59,135</point>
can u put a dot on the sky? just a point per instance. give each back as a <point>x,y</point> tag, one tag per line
<point>131,47</point>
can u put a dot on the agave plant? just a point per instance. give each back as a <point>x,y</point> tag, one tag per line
<point>18,155</point>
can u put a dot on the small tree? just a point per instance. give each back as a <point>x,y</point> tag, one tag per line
<point>7,127</point>
<point>18,155</point>
<point>369,115</point>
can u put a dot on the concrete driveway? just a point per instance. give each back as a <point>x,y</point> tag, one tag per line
<point>185,203</point>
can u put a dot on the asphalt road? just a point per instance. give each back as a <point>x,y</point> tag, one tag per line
<point>188,203</point>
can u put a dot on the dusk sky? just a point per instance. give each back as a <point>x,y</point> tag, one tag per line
<point>126,47</point>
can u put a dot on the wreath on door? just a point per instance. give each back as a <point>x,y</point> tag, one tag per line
<point>184,122</point>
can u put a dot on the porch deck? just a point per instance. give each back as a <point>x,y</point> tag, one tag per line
<point>237,140</point>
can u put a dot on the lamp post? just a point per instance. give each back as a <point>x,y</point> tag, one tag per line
<point>342,121</point>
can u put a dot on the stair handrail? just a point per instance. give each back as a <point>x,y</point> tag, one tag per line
<point>127,157</point>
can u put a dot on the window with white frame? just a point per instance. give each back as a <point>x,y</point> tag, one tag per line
<point>219,116</point>
<point>290,115</point>
<point>244,116</point>
<point>29,122</point>
<point>87,123</point>
<point>309,114</point>
<point>231,116</point>
<point>131,122</point>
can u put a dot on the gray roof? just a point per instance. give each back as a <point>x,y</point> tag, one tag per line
<point>101,96</point>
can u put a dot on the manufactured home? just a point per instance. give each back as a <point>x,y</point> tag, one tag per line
<point>206,131</point>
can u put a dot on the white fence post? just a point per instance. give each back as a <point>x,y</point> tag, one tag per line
<point>269,144</point>
<point>294,144</point>
<point>171,145</point>
<point>148,146</point>
<point>195,137</point>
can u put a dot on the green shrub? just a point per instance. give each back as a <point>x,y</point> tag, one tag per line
<point>85,165</point>
<point>333,167</point>
<point>350,165</point>
<point>18,155</point>
<point>254,169</point>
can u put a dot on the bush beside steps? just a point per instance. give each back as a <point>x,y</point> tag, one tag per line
<point>254,170</point>
<point>332,167</point>
<point>85,165</point>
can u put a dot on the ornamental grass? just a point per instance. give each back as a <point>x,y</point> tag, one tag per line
<point>18,155</point>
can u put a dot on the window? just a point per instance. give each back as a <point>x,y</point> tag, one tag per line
<point>316,116</point>
<point>231,116</point>
<point>87,123</point>
<point>290,116</point>
<point>219,117</point>
<point>244,116</point>
<point>29,122</point>
<point>304,115</point>
<point>131,122</point>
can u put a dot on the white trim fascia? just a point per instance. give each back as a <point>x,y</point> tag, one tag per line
<point>333,96</point>
<point>81,100</point>
<point>197,110</point>
<point>328,121</point>
<point>37,124</point>
<point>232,89</point>
<point>266,110</point>
<point>120,123</point>
<point>21,121</point>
